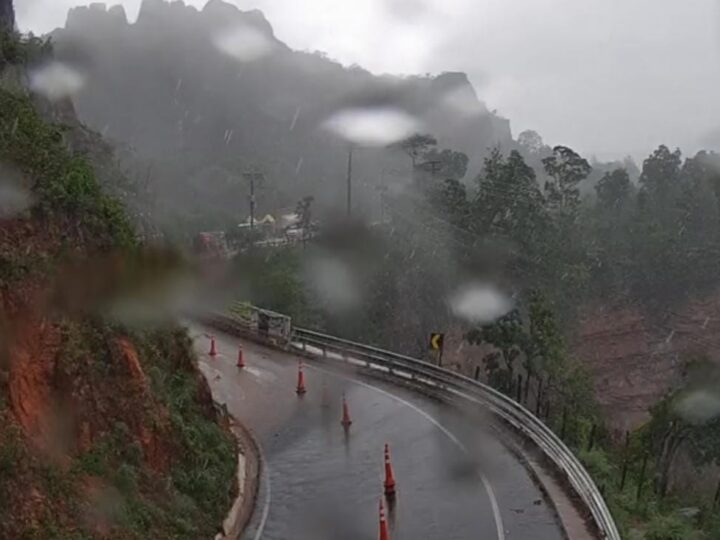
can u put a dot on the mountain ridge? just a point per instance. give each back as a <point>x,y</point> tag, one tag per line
<point>161,86</point>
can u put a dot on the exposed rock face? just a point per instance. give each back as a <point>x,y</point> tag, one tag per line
<point>7,14</point>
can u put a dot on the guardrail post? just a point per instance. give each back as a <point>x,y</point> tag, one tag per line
<point>324,351</point>
<point>477,373</point>
<point>564,423</point>
<point>304,343</point>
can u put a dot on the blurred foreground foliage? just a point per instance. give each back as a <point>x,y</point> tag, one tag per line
<point>155,460</point>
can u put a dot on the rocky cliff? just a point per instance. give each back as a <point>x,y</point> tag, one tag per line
<point>7,15</point>
<point>202,117</point>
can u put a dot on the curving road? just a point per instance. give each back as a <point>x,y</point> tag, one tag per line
<point>456,480</point>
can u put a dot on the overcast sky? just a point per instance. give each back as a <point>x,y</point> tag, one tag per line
<point>607,77</point>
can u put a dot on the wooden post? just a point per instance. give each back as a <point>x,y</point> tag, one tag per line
<point>477,372</point>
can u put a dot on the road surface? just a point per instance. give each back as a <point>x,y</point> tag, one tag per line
<point>456,480</point>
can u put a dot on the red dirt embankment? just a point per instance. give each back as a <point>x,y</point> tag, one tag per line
<point>635,356</point>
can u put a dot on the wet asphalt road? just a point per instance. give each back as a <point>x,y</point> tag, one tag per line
<point>456,481</point>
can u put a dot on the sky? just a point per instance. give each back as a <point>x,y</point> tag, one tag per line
<point>607,77</point>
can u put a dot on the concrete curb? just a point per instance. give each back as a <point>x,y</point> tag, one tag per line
<point>248,473</point>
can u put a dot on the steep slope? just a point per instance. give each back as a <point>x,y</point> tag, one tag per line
<point>202,118</point>
<point>636,357</point>
<point>106,430</point>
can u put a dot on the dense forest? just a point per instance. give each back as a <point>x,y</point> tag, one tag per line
<point>646,238</point>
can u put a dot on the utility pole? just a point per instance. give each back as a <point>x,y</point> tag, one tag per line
<point>252,203</point>
<point>349,182</point>
<point>251,177</point>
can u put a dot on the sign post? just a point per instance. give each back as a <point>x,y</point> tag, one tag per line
<point>436,344</point>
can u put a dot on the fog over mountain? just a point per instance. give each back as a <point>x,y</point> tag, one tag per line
<point>606,77</point>
<point>178,88</point>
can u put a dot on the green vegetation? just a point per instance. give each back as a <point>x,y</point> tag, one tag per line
<point>151,459</point>
<point>185,495</point>
<point>64,184</point>
<point>654,243</point>
<point>206,471</point>
<point>273,279</point>
<point>19,50</point>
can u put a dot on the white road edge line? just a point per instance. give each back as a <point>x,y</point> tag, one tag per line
<point>486,483</point>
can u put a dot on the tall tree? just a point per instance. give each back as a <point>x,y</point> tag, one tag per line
<point>566,170</point>
<point>509,200</point>
<point>613,189</point>
<point>531,142</point>
<point>446,163</point>
<point>416,146</point>
<point>660,176</point>
<point>451,202</point>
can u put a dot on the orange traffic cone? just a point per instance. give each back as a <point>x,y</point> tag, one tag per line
<point>213,350</point>
<point>384,534</point>
<point>345,415</point>
<point>389,477</point>
<point>301,380</point>
<point>241,357</point>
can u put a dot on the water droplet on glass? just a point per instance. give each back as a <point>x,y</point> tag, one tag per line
<point>372,126</point>
<point>479,303</point>
<point>698,406</point>
<point>13,200</point>
<point>334,282</point>
<point>244,43</point>
<point>56,81</point>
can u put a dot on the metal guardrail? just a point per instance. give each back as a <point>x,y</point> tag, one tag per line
<point>458,385</point>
